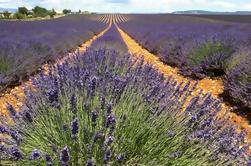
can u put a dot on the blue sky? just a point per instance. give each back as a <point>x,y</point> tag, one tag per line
<point>133,6</point>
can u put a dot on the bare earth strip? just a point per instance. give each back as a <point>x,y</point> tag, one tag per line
<point>16,96</point>
<point>215,87</point>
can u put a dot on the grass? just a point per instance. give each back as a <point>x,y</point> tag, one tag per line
<point>4,66</point>
<point>206,50</point>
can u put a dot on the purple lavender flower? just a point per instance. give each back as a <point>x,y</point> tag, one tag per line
<point>120,158</point>
<point>35,155</point>
<point>27,116</point>
<point>89,163</point>
<point>94,116</point>
<point>15,135</point>
<point>2,148</point>
<point>111,120</point>
<point>74,128</point>
<point>73,102</point>
<point>102,103</point>
<point>53,95</point>
<point>93,83</point>
<point>109,108</point>
<point>65,156</point>
<point>107,156</point>
<point>249,160</point>
<point>3,129</point>
<point>16,153</point>
<point>48,160</point>
<point>110,139</point>
<point>11,110</point>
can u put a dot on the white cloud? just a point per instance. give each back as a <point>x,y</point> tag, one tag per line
<point>223,4</point>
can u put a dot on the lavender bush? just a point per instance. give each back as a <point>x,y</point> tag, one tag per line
<point>26,45</point>
<point>102,108</point>
<point>237,81</point>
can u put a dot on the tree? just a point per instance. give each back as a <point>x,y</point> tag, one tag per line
<point>66,11</point>
<point>52,13</point>
<point>79,11</point>
<point>23,10</point>
<point>40,12</point>
<point>6,14</point>
<point>19,15</point>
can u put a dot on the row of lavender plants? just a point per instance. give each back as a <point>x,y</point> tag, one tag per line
<point>111,40</point>
<point>199,47</point>
<point>26,45</point>
<point>102,108</point>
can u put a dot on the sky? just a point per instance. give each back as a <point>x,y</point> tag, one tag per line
<point>133,6</point>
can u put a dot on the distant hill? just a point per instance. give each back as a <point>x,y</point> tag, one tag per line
<point>203,12</point>
<point>8,9</point>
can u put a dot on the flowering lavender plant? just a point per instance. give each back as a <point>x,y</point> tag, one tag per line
<point>131,116</point>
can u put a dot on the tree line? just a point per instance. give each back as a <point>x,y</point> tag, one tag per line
<point>37,11</point>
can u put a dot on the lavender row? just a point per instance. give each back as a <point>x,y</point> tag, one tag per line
<point>199,47</point>
<point>111,40</point>
<point>26,45</point>
<point>102,108</point>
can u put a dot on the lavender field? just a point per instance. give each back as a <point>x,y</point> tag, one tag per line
<point>27,45</point>
<point>126,89</point>
<point>201,46</point>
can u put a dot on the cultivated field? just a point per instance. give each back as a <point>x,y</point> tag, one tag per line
<point>117,89</point>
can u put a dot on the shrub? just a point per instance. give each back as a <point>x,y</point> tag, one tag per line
<point>210,59</point>
<point>102,108</point>
<point>39,12</point>
<point>19,15</point>
<point>66,11</point>
<point>52,13</point>
<point>237,81</point>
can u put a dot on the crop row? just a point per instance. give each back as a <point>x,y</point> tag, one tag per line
<point>27,45</point>
<point>103,108</point>
<point>111,40</point>
<point>199,47</point>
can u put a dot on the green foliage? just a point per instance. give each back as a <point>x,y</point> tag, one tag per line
<point>19,15</point>
<point>52,13</point>
<point>40,12</point>
<point>66,11</point>
<point>207,50</point>
<point>6,14</point>
<point>4,66</point>
<point>23,10</point>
